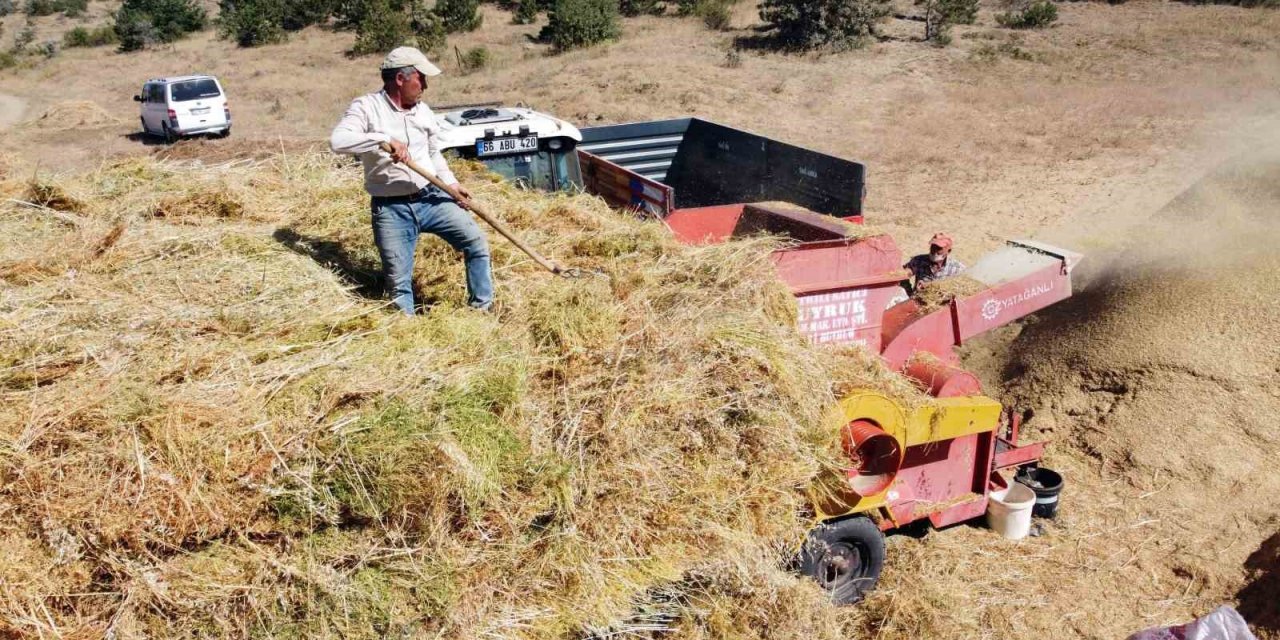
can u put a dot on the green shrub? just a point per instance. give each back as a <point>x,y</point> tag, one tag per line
<point>428,28</point>
<point>382,25</point>
<point>475,59</point>
<point>632,8</point>
<point>808,24</point>
<point>1036,15</point>
<point>141,23</point>
<point>988,53</point>
<point>77,37</point>
<point>70,8</point>
<point>299,14</point>
<point>582,23</point>
<point>40,7</point>
<point>715,14</point>
<point>959,11</point>
<point>134,30</point>
<point>102,36</point>
<point>459,15</point>
<point>8,60</point>
<point>251,23</point>
<point>939,15</point>
<point>82,37</point>
<point>7,7</point>
<point>382,29</point>
<point>526,12</point>
<point>348,13</point>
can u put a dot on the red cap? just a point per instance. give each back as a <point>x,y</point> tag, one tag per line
<point>940,240</point>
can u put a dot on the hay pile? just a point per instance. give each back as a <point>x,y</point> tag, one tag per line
<point>78,114</point>
<point>236,150</point>
<point>54,196</point>
<point>209,430</point>
<point>936,294</point>
<point>199,206</point>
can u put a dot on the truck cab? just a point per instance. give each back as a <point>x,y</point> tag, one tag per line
<point>532,149</point>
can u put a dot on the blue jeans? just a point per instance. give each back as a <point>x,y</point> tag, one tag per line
<point>397,222</point>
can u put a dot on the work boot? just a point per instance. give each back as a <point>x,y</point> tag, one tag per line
<point>493,308</point>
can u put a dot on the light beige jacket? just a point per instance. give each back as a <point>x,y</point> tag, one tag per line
<point>373,119</point>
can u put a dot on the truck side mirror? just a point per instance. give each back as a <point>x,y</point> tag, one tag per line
<point>137,98</point>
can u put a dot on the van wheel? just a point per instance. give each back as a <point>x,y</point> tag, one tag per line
<point>844,557</point>
<point>226,133</point>
<point>168,134</point>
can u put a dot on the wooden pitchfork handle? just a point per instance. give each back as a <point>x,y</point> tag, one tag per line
<point>549,265</point>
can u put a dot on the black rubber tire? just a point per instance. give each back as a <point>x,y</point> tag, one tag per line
<point>845,557</point>
<point>169,138</point>
<point>226,133</point>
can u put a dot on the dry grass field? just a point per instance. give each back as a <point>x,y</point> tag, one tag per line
<point>1114,101</point>
<point>1142,134</point>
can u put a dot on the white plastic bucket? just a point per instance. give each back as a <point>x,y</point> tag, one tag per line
<point>1009,511</point>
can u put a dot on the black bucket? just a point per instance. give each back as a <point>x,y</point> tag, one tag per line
<point>1047,484</point>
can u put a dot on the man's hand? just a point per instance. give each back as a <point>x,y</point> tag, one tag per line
<point>461,194</point>
<point>399,151</point>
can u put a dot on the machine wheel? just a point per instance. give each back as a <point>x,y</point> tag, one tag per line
<point>844,557</point>
<point>225,133</point>
<point>168,134</point>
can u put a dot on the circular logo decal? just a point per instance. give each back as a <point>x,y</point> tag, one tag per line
<point>991,309</point>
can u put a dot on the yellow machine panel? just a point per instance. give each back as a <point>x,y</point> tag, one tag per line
<point>938,420</point>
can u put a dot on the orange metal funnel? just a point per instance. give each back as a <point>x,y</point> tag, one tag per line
<point>876,457</point>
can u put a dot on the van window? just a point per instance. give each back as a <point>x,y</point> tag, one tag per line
<point>155,93</point>
<point>194,90</point>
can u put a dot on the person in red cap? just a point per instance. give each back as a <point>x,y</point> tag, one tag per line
<point>935,265</point>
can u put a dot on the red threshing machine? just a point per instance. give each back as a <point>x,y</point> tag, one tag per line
<point>936,460</point>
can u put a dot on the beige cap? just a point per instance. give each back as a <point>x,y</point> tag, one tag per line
<point>410,57</point>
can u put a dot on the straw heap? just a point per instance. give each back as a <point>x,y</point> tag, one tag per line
<point>212,427</point>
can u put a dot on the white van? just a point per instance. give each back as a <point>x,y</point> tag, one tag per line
<point>184,106</point>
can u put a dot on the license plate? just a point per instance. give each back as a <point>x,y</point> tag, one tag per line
<point>200,112</point>
<point>501,146</point>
